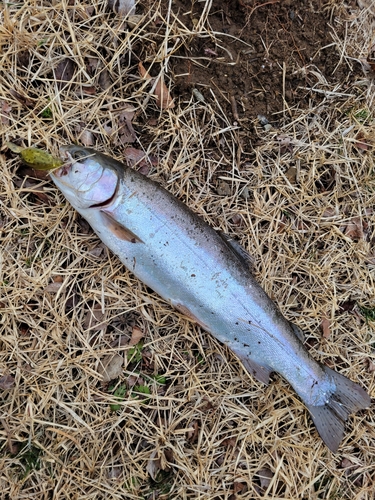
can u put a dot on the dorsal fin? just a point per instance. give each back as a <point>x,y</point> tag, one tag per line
<point>247,259</point>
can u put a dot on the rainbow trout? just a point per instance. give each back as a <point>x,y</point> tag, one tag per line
<point>200,273</point>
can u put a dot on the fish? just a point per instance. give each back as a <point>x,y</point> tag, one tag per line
<point>206,277</point>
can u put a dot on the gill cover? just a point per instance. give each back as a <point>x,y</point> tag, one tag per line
<point>84,180</point>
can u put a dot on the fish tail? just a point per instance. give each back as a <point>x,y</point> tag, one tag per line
<point>329,419</point>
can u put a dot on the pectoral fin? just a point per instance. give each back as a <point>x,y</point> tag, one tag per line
<point>120,231</point>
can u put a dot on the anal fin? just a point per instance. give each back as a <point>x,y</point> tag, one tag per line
<point>260,372</point>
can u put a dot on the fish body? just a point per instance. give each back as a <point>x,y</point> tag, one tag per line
<point>195,269</point>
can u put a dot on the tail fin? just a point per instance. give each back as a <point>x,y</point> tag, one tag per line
<point>329,419</point>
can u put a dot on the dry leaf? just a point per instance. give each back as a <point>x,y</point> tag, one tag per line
<point>362,143</point>
<point>104,79</point>
<point>192,434</point>
<point>356,229</point>
<point>229,442</point>
<point>24,100</point>
<point>348,465</point>
<point>138,157</point>
<point>53,287</point>
<point>265,477</point>
<point>325,325</point>
<point>291,175</point>
<point>94,318</point>
<point>163,97</point>
<point>126,132</point>
<point>370,366</point>
<point>7,382</point>
<point>161,92</point>
<point>6,108</point>
<point>137,335</point>
<point>329,212</point>
<point>122,7</point>
<point>64,72</point>
<point>87,138</point>
<point>111,367</point>
<point>239,486</point>
<point>126,7</point>
<point>154,464</point>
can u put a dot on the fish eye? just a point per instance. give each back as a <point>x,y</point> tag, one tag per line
<point>78,155</point>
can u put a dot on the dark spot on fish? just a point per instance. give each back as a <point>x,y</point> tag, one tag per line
<point>246,345</point>
<point>236,339</point>
<point>314,383</point>
<point>259,342</point>
<point>236,323</point>
<point>192,275</point>
<point>76,171</point>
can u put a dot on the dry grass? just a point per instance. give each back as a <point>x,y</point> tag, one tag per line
<point>211,430</point>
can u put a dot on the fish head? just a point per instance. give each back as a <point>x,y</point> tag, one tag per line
<point>86,179</point>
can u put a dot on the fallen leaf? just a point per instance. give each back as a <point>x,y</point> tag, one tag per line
<point>265,476</point>
<point>356,229</point>
<point>237,220</point>
<point>126,132</point>
<point>64,72</point>
<point>6,108</point>
<point>132,380</point>
<point>192,434</point>
<point>348,465</point>
<point>110,367</point>
<point>94,318</point>
<point>161,92</point>
<point>137,335</point>
<point>229,443</point>
<point>362,143</point>
<point>239,486</point>
<point>126,7</point>
<point>291,175</point>
<point>154,464</point>
<point>97,251</point>
<point>370,366</point>
<point>53,287</point>
<point>122,7</point>
<point>163,97</point>
<point>25,101</point>
<point>87,138</point>
<point>325,325</point>
<point>104,79</point>
<point>7,382</point>
<point>138,157</point>
<point>33,187</point>
<point>223,188</point>
<point>329,212</point>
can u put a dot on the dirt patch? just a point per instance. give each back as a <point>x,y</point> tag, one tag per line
<point>266,57</point>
